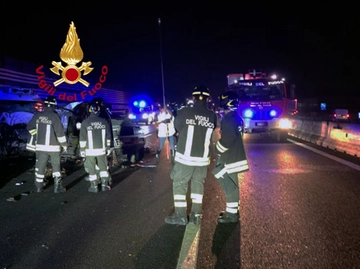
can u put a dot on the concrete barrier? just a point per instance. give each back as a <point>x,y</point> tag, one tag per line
<point>342,137</point>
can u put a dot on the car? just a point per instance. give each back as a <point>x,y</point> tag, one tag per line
<point>340,114</point>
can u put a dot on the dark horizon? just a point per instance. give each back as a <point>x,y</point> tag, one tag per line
<point>311,50</point>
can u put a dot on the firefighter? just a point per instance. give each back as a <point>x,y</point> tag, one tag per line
<point>166,130</point>
<point>95,141</point>
<point>104,113</point>
<point>231,158</point>
<point>192,157</point>
<point>31,140</point>
<point>50,139</point>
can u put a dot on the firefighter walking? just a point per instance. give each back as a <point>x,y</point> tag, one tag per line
<point>195,126</point>
<point>95,142</point>
<point>50,138</point>
<point>231,156</point>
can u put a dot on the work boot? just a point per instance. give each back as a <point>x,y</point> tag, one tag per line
<point>195,218</point>
<point>176,218</point>
<point>39,187</point>
<point>58,185</point>
<point>226,217</point>
<point>105,185</point>
<point>94,186</point>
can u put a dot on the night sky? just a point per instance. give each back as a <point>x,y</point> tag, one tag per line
<point>314,47</point>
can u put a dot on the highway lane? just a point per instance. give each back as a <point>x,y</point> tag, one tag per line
<point>299,209</point>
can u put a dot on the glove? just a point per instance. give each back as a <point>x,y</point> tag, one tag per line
<point>82,154</point>
<point>108,151</point>
<point>64,149</point>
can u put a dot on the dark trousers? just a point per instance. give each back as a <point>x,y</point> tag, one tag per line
<point>181,174</point>
<point>101,162</point>
<point>42,159</point>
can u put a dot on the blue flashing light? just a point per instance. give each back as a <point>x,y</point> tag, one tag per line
<point>248,113</point>
<point>132,116</point>
<point>136,103</point>
<point>142,104</point>
<point>273,113</point>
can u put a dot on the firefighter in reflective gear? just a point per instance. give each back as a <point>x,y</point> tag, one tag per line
<point>166,130</point>
<point>231,159</point>
<point>104,113</point>
<point>95,141</point>
<point>195,126</point>
<point>31,140</point>
<point>50,137</point>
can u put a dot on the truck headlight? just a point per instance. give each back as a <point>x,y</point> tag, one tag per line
<point>285,124</point>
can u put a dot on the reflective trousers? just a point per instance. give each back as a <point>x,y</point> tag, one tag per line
<point>181,175</point>
<point>42,159</point>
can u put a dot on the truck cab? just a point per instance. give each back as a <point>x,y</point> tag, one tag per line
<point>264,105</point>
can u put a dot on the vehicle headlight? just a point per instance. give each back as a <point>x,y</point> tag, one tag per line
<point>285,123</point>
<point>132,116</point>
<point>145,116</point>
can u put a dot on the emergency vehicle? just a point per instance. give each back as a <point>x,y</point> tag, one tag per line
<point>143,110</point>
<point>264,103</point>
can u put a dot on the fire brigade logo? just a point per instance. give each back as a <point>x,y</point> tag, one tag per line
<point>71,53</point>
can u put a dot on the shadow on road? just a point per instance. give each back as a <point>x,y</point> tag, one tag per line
<point>226,245</point>
<point>162,249</point>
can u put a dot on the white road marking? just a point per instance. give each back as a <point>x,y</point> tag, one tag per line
<point>189,247</point>
<point>347,163</point>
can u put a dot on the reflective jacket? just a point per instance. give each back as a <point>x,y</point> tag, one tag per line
<point>166,125</point>
<point>230,146</point>
<point>95,136</point>
<point>49,131</point>
<point>195,126</point>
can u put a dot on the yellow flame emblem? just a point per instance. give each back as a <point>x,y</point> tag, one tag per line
<point>71,53</point>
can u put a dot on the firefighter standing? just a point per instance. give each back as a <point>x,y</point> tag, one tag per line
<point>95,141</point>
<point>231,156</point>
<point>195,126</point>
<point>50,137</point>
<point>166,129</point>
<point>31,139</point>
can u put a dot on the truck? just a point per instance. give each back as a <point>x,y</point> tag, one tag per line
<point>265,103</point>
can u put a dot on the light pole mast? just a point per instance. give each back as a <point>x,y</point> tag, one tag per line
<point>161,62</point>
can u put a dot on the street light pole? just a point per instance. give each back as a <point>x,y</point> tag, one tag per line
<point>161,62</point>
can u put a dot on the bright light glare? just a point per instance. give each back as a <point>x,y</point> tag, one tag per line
<point>284,124</point>
<point>248,113</point>
<point>142,104</point>
<point>273,113</point>
<point>273,76</point>
<point>132,116</point>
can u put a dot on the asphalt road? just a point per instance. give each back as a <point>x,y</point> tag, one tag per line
<point>299,209</point>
